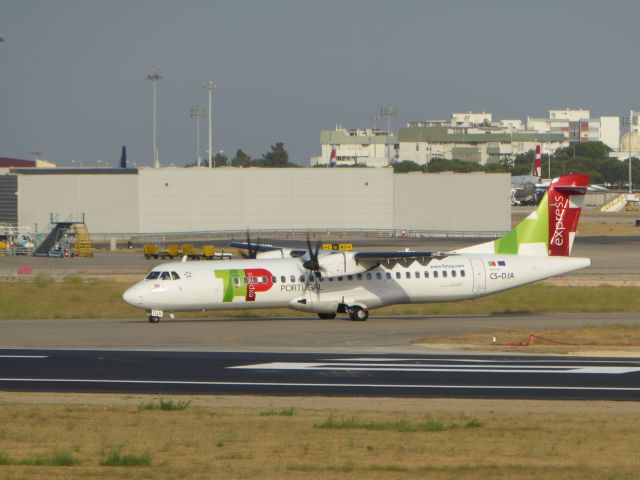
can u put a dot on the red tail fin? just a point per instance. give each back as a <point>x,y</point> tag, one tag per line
<point>565,197</point>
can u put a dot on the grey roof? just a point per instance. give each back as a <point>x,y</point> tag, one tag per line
<point>440,134</point>
<point>75,171</point>
<point>333,137</point>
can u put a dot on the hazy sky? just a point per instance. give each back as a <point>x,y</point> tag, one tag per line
<point>73,73</point>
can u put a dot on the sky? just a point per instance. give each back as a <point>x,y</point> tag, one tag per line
<point>73,72</point>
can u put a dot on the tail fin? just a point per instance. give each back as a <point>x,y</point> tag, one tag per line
<point>550,229</point>
<point>536,166</point>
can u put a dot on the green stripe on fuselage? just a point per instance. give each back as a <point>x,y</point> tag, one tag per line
<point>530,230</point>
<point>230,290</point>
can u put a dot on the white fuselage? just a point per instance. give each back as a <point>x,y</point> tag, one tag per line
<point>284,282</point>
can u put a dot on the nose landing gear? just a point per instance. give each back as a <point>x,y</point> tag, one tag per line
<point>155,316</point>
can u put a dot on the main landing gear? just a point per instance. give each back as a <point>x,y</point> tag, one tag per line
<point>357,313</point>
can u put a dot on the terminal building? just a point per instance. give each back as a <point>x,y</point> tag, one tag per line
<point>468,136</point>
<point>578,126</point>
<point>128,202</point>
<point>367,147</point>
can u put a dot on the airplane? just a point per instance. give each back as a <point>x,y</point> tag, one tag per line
<point>349,282</point>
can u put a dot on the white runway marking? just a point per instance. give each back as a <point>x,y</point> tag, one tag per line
<point>416,367</point>
<point>330,385</point>
<point>24,356</point>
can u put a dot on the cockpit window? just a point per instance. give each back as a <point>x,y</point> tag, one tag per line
<point>175,276</point>
<point>165,276</point>
<point>153,275</point>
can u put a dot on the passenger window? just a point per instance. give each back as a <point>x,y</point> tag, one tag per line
<point>153,275</point>
<point>407,274</point>
<point>435,274</point>
<point>311,279</point>
<point>453,273</point>
<point>331,279</point>
<point>321,279</point>
<point>368,276</point>
<point>274,279</point>
<point>302,278</point>
<point>444,274</point>
<point>165,276</point>
<point>175,276</point>
<point>359,276</point>
<point>246,280</point>
<point>283,279</point>
<point>417,274</point>
<point>398,275</point>
<point>462,273</point>
<point>388,275</point>
<point>426,274</point>
<point>236,281</point>
<point>293,278</point>
<point>339,279</point>
<point>349,277</point>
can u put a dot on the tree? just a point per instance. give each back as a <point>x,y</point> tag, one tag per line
<point>220,160</point>
<point>277,157</point>
<point>407,166</point>
<point>241,160</point>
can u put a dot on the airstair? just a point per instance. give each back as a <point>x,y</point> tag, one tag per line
<point>65,239</point>
<point>627,201</point>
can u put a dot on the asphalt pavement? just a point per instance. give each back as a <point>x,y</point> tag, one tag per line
<point>423,376</point>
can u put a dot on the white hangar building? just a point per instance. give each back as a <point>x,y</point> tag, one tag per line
<point>171,200</point>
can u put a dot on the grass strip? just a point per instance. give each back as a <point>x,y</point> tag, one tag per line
<point>285,412</point>
<point>167,405</point>
<point>60,458</point>
<point>118,459</point>
<point>348,423</point>
<point>45,298</point>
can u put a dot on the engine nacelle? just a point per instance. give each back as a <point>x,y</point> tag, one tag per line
<point>339,263</point>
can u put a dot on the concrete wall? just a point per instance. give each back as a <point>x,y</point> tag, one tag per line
<point>473,202</point>
<point>202,199</point>
<point>109,202</point>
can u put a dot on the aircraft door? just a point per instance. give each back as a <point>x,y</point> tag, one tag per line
<point>479,275</point>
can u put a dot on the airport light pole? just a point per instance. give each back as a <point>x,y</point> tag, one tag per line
<point>154,77</point>
<point>210,87</point>
<point>197,112</point>
<point>388,112</point>
<point>629,139</point>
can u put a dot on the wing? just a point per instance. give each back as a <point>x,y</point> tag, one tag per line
<point>262,248</point>
<point>389,259</point>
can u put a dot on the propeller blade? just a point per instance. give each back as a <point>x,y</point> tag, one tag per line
<point>251,249</point>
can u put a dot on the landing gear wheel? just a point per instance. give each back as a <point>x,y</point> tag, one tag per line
<point>327,316</point>
<point>358,314</point>
<point>153,319</point>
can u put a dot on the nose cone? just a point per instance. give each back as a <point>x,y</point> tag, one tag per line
<point>133,296</point>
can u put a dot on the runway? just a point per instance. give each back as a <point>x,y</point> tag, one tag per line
<point>420,376</point>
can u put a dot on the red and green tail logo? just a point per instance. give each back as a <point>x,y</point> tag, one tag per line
<point>244,283</point>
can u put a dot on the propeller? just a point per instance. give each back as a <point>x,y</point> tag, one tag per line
<point>251,249</point>
<point>312,264</point>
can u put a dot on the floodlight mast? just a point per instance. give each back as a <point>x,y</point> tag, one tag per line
<point>210,87</point>
<point>388,112</point>
<point>196,113</point>
<point>154,77</point>
<point>630,132</point>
